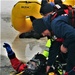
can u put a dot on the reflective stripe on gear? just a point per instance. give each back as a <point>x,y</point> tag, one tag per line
<point>48,44</point>
<point>45,53</point>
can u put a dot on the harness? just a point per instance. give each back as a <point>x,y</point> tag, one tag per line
<point>69,11</point>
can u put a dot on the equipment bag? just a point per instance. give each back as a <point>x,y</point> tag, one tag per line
<point>71,14</point>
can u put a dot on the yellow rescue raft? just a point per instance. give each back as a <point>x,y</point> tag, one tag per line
<point>21,11</point>
<point>69,2</point>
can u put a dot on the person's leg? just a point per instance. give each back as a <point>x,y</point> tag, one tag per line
<point>32,33</point>
<point>71,59</point>
<point>53,52</point>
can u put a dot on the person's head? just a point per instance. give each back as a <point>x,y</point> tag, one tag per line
<point>47,8</point>
<point>40,27</point>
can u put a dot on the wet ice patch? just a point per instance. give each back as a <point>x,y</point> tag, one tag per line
<point>29,53</point>
<point>6,17</point>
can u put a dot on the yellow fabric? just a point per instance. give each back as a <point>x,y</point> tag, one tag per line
<point>51,73</point>
<point>20,73</point>
<point>69,2</point>
<point>48,44</point>
<point>19,14</point>
<point>45,53</point>
<point>51,0</point>
<point>39,1</point>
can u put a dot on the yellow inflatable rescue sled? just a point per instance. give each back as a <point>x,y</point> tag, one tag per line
<point>21,12</point>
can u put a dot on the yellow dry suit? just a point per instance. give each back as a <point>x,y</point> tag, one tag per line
<point>47,46</point>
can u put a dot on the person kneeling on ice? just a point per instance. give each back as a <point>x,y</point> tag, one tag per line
<point>60,28</point>
<point>36,64</point>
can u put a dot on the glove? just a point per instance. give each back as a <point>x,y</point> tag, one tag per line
<point>8,48</point>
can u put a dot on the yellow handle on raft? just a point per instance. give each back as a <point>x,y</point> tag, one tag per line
<point>21,10</point>
<point>69,2</point>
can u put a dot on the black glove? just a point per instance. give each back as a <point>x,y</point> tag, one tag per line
<point>31,34</point>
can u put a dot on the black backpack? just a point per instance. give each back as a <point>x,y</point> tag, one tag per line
<point>71,14</point>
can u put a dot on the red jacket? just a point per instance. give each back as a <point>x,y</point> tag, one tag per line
<point>17,64</point>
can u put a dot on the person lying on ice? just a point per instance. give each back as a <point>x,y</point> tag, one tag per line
<point>15,62</point>
<point>29,68</point>
<point>61,28</point>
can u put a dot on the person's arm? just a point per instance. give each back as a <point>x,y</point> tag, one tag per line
<point>16,63</point>
<point>63,30</point>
